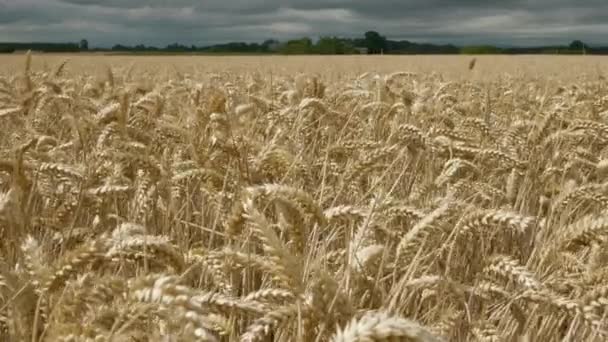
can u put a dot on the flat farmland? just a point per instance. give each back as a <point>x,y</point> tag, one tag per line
<point>303,198</point>
<point>488,67</point>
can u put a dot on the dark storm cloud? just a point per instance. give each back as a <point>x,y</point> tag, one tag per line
<point>159,22</point>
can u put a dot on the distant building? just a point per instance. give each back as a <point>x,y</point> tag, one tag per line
<point>362,50</point>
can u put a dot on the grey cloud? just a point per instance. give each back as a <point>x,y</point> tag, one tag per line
<point>159,22</point>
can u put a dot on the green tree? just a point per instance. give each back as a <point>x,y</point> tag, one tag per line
<point>375,42</point>
<point>332,46</point>
<point>84,45</point>
<point>298,46</point>
<point>578,45</point>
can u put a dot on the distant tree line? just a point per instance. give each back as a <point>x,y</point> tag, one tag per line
<point>46,47</point>
<point>325,45</point>
<point>372,42</point>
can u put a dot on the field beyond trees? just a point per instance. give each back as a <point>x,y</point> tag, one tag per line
<point>303,198</point>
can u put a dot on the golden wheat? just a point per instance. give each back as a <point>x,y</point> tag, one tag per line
<point>227,206</point>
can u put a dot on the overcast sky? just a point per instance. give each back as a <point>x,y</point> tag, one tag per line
<point>201,22</point>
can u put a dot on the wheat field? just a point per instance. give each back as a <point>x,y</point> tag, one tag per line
<point>303,199</point>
